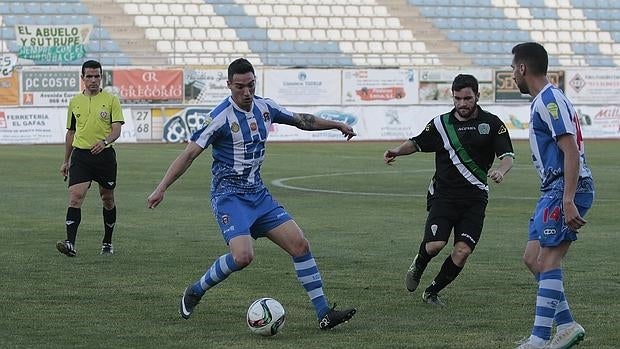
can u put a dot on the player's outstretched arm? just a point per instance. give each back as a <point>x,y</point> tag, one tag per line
<point>311,122</point>
<point>406,148</point>
<point>176,170</point>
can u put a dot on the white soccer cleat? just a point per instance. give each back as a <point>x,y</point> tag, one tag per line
<point>568,337</point>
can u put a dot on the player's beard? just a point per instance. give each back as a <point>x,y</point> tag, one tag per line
<point>523,88</point>
<point>466,112</point>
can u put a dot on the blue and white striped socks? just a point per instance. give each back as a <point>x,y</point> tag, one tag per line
<point>550,300</point>
<point>218,272</point>
<point>310,278</point>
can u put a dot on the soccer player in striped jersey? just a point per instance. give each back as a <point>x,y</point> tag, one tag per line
<point>567,192</point>
<point>465,141</point>
<point>243,207</point>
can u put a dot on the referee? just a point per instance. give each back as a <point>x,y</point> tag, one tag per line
<point>94,120</point>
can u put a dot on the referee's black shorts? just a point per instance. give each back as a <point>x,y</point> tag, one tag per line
<point>86,167</point>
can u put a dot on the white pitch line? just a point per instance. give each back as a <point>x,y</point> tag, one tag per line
<point>280,183</point>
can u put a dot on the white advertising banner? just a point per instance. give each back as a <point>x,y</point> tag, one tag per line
<point>599,121</point>
<point>595,121</point>
<point>593,86</point>
<point>303,86</point>
<point>32,125</point>
<point>47,125</point>
<point>209,87</point>
<point>379,86</point>
<point>436,84</point>
<point>370,123</point>
<point>129,133</point>
<point>516,118</point>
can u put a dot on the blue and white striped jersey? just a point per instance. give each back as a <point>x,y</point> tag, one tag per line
<point>238,138</point>
<point>553,115</point>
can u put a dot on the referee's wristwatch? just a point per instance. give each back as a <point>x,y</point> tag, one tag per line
<point>105,142</point>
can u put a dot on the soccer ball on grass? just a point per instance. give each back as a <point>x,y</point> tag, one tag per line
<point>265,316</point>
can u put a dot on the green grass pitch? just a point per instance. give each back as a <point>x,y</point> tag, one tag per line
<point>363,220</point>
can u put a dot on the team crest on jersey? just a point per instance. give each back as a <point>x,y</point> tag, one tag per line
<point>225,219</point>
<point>553,110</point>
<point>484,129</point>
<point>253,126</point>
<point>103,114</point>
<point>234,127</point>
<point>266,116</point>
<point>502,130</point>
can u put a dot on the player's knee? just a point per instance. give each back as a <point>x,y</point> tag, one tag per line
<point>460,253</point>
<point>108,202</point>
<point>300,247</point>
<point>434,247</point>
<point>243,259</point>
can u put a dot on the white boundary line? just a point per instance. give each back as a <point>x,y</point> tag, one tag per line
<point>280,182</point>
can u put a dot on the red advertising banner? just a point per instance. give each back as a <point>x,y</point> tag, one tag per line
<point>148,85</point>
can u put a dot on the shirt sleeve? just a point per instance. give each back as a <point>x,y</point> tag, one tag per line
<point>279,114</point>
<point>70,117</point>
<point>429,139</point>
<point>117,111</point>
<point>502,141</point>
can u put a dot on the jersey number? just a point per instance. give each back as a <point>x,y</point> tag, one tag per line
<point>553,214</point>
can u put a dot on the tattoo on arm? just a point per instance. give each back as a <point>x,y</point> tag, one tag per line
<point>305,121</point>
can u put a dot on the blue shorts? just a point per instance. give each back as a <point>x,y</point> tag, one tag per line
<point>248,214</point>
<point>547,225</point>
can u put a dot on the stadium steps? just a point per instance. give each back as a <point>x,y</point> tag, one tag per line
<point>130,38</point>
<point>423,30</point>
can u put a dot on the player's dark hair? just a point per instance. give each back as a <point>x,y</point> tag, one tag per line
<point>462,81</point>
<point>533,55</point>
<point>91,64</point>
<point>239,66</point>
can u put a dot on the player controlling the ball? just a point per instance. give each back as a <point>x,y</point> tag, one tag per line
<point>242,205</point>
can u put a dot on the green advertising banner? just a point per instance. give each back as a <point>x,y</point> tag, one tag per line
<point>52,43</point>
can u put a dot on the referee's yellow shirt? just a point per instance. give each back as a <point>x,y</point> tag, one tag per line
<point>92,117</point>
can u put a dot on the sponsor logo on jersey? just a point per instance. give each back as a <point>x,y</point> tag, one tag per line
<point>502,130</point>
<point>484,129</point>
<point>549,231</point>
<point>225,219</point>
<point>553,110</point>
<point>434,228</point>
<point>266,116</point>
<point>234,127</point>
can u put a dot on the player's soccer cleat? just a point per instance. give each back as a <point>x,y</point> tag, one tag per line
<point>335,317</point>
<point>432,299</point>
<point>107,249</point>
<point>414,274</point>
<point>528,343</point>
<point>188,302</point>
<point>568,337</point>
<point>66,247</point>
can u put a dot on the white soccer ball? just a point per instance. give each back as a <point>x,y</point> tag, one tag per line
<point>265,316</point>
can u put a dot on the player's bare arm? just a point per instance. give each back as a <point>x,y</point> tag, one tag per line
<point>309,122</point>
<point>497,174</point>
<point>176,170</point>
<point>568,145</point>
<point>406,148</point>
